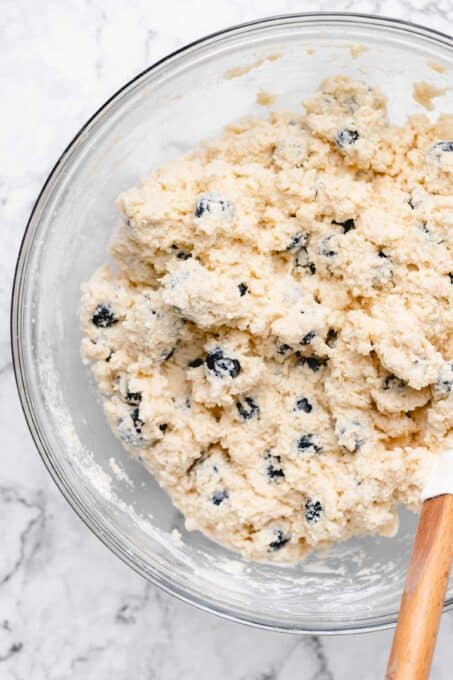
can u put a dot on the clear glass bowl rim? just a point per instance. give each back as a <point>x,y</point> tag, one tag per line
<point>323,19</point>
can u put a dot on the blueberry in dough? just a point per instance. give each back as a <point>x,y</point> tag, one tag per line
<point>133,398</point>
<point>442,147</point>
<point>347,225</point>
<point>130,430</point>
<point>424,228</point>
<point>350,435</point>
<point>219,496</point>
<point>391,382</point>
<point>345,138</point>
<point>247,408</point>
<point>243,288</point>
<point>304,405</point>
<point>279,541</point>
<point>168,355</point>
<point>104,316</point>
<point>313,510</point>
<point>195,363</point>
<point>332,335</point>
<point>222,366</point>
<point>451,277</point>
<point>214,204</point>
<point>274,468</point>
<point>444,382</point>
<point>412,203</point>
<point>314,363</point>
<point>283,349</point>
<point>325,249</point>
<point>302,261</point>
<point>436,152</point>
<point>308,338</point>
<point>163,427</point>
<point>138,423</point>
<point>298,240</point>
<point>182,255</point>
<point>306,444</point>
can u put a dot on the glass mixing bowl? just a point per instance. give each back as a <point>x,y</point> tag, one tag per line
<point>163,112</point>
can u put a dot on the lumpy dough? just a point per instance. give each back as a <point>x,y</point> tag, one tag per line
<point>274,339</point>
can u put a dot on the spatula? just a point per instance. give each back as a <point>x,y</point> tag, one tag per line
<point>427,579</point>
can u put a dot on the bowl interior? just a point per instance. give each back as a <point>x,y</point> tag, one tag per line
<point>164,112</point>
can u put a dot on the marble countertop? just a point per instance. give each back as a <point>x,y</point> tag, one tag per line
<point>69,609</point>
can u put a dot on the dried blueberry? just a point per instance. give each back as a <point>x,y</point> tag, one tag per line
<point>344,138</point>
<point>243,288</point>
<point>308,338</point>
<point>195,363</point>
<point>280,540</point>
<point>249,409</point>
<point>314,363</point>
<point>283,349</point>
<point>297,240</point>
<point>104,316</point>
<point>444,384</point>
<point>163,427</point>
<point>306,444</point>
<point>219,496</point>
<point>325,249</point>
<point>347,225</point>
<point>383,255</point>
<point>304,405</point>
<point>182,255</point>
<point>274,469</point>
<point>214,204</point>
<point>222,366</point>
<point>450,277</point>
<point>313,510</point>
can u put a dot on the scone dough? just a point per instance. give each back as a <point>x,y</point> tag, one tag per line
<point>274,340</point>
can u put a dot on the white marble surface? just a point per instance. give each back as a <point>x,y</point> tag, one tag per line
<point>68,608</point>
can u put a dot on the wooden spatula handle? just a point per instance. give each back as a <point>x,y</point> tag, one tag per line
<point>424,592</point>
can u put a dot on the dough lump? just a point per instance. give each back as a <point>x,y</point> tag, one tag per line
<point>274,339</point>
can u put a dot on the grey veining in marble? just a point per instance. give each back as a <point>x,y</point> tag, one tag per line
<point>68,608</point>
